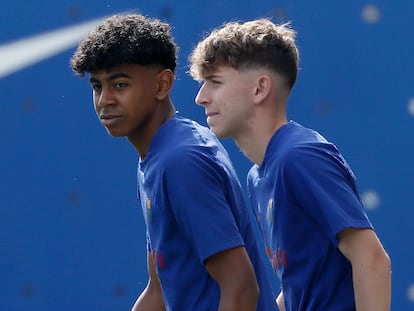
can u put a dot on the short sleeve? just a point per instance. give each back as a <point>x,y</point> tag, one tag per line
<point>197,187</point>
<point>325,188</point>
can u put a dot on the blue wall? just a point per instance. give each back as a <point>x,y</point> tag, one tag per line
<point>71,234</point>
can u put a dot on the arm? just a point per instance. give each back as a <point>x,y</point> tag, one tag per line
<point>151,298</point>
<point>371,269</point>
<point>280,302</point>
<point>235,275</point>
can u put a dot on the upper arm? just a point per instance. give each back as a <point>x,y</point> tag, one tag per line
<point>371,268</point>
<point>360,244</point>
<point>233,271</point>
<point>232,265</point>
<point>365,252</point>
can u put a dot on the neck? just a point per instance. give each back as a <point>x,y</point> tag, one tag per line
<point>254,143</point>
<point>142,139</point>
<point>268,116</point>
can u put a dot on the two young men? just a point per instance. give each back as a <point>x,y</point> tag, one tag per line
<point>201,250</point>
<point>317,235</point>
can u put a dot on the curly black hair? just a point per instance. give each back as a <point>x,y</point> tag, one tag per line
<point>126,39</point>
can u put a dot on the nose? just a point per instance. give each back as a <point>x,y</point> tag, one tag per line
<point>103,98</point>
<point>201,98</point>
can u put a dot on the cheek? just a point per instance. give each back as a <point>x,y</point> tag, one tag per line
<point>95,105</point>
<point>239,108</point>
<point>95,99</point>
<point>236,94</point>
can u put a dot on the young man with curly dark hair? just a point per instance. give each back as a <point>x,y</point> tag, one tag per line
<point>201,251</point>
<point>319,240</point>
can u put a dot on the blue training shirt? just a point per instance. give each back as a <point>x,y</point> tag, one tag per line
<point>194,208</point>
<point>304,194</point>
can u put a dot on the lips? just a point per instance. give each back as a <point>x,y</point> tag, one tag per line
<point>211,117</point>
<point>211,114</point>
<point>109,119</point>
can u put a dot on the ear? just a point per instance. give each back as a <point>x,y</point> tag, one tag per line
<point>165,82</point>
<point>262,89</point>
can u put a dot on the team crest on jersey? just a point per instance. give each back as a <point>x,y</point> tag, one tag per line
<point>269,212</point>
<point>278,258</point>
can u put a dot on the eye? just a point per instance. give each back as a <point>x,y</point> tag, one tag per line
<point>120,85</point>
<point>215,81</point>
<point>96,86</point>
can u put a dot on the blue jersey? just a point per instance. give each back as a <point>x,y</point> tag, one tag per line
<point>194,208</point>
<point>304,194</point>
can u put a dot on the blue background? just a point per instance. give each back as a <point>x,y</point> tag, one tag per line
<point>71,232</point>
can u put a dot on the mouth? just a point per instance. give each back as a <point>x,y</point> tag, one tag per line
<point>109,119</point>
<point>211,118</point>
<point>211,114</point>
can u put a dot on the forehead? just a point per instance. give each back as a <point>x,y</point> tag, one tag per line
<point>219,70</point>
<point>131,71</point>
<point>229,73</point>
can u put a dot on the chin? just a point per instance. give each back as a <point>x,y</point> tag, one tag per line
<point>114,133</point>
<point>218,134</point>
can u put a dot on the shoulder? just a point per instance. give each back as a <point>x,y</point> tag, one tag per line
<point>194,154</point>
<point>189,146</point>
<point>308,151</point>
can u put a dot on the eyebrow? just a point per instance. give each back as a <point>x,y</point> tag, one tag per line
<point>111,77</point>
<point>213,76</point>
